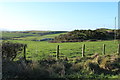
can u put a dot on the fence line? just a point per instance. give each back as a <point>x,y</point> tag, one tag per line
<point>83,51</point>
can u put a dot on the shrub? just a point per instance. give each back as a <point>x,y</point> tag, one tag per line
<point>77,67</point>
<point>10,50</point>
<point>92,67</point>
<point>58,69</point>
<point>23,71</point>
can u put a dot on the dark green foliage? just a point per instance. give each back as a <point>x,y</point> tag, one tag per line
<point>10,50</point>
<point>78,35</point>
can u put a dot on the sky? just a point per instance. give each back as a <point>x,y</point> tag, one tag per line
<point>57,16</point>
<point>59,0</point>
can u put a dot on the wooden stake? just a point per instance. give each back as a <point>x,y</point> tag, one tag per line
<point>118,49</point>
<point>83,50</point>
<point>57,53</point>
<point>24,52</point>
<point>103,49</point>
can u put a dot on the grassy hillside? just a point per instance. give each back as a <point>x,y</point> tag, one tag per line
<point>30,35</point>
<point>38,37</point>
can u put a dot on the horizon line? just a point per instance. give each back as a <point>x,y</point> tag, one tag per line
<point>58,30</point>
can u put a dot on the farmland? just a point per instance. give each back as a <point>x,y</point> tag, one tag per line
<point>42,62</point>
<point>42,49</point>
<point>30,35</point>
<point>37,37</point>
<point>39,50</point>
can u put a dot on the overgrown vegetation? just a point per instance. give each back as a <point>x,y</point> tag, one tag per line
<point>88,67</point>
<point>11,50</point>
<point>82,35</point>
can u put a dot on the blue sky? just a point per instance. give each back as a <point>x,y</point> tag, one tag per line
<point>57,16</point>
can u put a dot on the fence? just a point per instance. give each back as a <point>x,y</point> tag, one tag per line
<point>83,51</point>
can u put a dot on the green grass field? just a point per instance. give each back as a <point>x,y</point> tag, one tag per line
<point>38,37</point>
<point>15,34</point>
<point>31,35</point>
<point>39,50</point>
<point>42,49</point>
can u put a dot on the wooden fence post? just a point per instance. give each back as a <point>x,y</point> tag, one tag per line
<point>57,53</point>
<point>24,52</point>
<point>103,49</point>
<point>83,50</point>
<point>118,49</point>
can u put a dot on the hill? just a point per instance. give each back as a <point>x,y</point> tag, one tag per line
<point>30,35</point>
<point>93,35</point>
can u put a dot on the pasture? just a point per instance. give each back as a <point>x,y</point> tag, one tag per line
<point>30,35</point>
<point>41,56</point>
<point>37,50</point>
<point>37,37</point>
